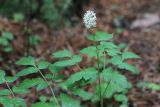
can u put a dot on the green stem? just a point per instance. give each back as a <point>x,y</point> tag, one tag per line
<point>99,77</point>
<point>49,87</point>
<point>104,66</point>
<point>78,67</point>
<point>106,89</point>
<point>9,88</point>
<point>99,82</point>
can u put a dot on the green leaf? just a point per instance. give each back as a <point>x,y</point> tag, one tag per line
<point>12,102</point>
<point>64,63</point>
<point>56,78</point>
<point>113,52</point>
<point>11,79</point>
<point>20,90</point>
<point>142,84</point>
<point>112,88</point>
<point>53,102</point>
<point>43,104</point>
<point>3,41</point>
<point>18,17</point>
<point>115,77</point>
<point>34,39</point>
<point>62,54</point>
<point>89,74</point>
<point>18,102</point>
<point>76,59</point>
<point>6,102</point>
<point>7,35</point>
<point>43,98</point>
<point>83,94</point>
<point>129,67</point>
<point>107,45</point>
<point>154,86</point>
<point>91,51</point>
<point>124,105</point>
<point>1,59</point>
<point>116,60</point>
<point>129,55</point>
<point>121,98</point>
<point>43,64</point>
<point>2,76</point>
<point>67,101</point>
<point>123,46</point>
<point>42,85</point>
<point>107,90</point>
<point>149,85</point>
<point>54,69</point>
<point>8,48</point>
<point>5,92</point>
<point>27,71</point>
<point>28,83</point>
<point>26,61</point>
<point>100,36</point>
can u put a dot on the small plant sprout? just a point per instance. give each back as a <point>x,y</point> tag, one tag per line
<point>89,19</point>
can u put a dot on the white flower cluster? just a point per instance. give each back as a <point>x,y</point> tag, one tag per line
<point>89,19</point>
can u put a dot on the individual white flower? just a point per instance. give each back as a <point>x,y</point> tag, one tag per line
<point>89,19</point>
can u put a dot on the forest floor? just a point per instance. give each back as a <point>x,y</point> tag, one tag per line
<point>118,17</point>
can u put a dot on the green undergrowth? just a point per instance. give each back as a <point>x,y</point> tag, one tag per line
<point>97,83</point>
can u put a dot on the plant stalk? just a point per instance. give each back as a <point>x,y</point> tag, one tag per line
<point>104,66</point>
<point>106,89</point>
<point>99,77</point>
<point>49,87</point>
<point>9,88</point>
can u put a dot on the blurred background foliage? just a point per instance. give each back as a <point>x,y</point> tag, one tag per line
<point>52,12</point>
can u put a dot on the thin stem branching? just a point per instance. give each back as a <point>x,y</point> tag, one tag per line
<point>49,87</point>
<point>9,88</point>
